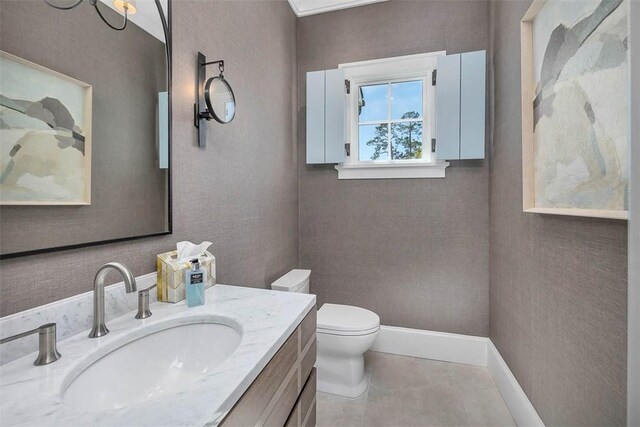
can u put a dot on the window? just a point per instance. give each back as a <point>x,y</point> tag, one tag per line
<point>390,119</point>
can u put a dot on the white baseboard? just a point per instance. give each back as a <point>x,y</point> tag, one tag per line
<point>466,349</point>
<point>456,348</point>
<point>521,408</point>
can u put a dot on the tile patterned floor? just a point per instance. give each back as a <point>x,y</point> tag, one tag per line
<point>406,391</point>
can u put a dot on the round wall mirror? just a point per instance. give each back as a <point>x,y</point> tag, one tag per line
<point>220,99</point>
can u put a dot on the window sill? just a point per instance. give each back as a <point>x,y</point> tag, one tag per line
<point>391,170</point>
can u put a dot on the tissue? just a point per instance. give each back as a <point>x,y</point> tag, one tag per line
<point>187,250</point>
<point>172,265</point>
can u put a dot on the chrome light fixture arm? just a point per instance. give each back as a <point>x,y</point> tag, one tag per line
<point>165,27</point>
<point>126,16</point>
<point>69,7</point>
<point>94,3</point>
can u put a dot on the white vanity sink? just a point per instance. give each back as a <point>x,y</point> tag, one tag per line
<point>182,366</point>
<point>161,362</point>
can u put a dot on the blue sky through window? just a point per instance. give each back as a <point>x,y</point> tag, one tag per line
<point>406,97</point>
<point>367,133</point>
<point>376,106</point>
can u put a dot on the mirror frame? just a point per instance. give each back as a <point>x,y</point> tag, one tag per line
<point>207,98</point>
<point>166,23</point>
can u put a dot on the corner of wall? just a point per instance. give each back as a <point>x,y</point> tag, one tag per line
<point>633,345</point>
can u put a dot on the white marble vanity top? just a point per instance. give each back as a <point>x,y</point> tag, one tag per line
<point>32,395</point>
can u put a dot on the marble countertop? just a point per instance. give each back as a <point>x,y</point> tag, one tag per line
<point>32,395</point>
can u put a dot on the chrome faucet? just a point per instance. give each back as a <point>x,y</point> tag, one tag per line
<point>143,303</point>
<point>99,327</point>
<point>47,348</point>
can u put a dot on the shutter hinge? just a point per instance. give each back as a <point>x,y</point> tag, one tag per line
<point>433,145</point>
<point>434,75</point>
<point>347,86</point>
<point>347,149</point>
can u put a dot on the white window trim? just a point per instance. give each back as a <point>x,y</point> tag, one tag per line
<point>386,70</point>
<point>385,170</point>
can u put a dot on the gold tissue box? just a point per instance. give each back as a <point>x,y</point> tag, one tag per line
<point>171,275</point>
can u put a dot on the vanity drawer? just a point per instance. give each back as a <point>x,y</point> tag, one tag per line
<point>274,397</point>
<point>248,410</point>
<point>305,406</point>
<point>308,328</point>
<point>311,417</point>
<point>308,395</point>
<point>308,359</point>
<point>287,400</point>
<point>293,417</point>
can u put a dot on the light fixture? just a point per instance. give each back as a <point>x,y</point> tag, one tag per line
<point>126,7</point>
<point>215,98</point>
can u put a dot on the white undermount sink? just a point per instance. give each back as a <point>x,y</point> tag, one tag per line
<point>161,362</point>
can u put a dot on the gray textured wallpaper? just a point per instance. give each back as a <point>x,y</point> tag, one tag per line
<point>558,284</point>
<point>555,304</point>
<point>126,71</point>
<point>415,251</point>
<point>240,193</point>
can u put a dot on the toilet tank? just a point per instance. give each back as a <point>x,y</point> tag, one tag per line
<point>293,281</point>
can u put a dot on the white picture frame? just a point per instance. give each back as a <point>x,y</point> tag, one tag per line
<point>528,80</point>
<point>22,80</point>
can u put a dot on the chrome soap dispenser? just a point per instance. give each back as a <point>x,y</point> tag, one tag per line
<point>194,284</point>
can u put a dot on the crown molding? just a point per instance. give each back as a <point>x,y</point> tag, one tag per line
<point>312,7</point>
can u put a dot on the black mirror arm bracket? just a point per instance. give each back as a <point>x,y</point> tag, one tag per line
<point>220,65</point>
<point>200,110</point>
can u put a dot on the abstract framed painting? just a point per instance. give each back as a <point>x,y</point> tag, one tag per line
<point>45,135</point>
<point>575,108</point>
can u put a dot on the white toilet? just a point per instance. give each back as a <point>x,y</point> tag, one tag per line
<point>344,334</point>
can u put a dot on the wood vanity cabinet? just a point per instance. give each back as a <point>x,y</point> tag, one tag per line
<point>285,391</point>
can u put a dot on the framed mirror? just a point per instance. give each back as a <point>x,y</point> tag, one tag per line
<point>85,124</point>
<point>221,102</point>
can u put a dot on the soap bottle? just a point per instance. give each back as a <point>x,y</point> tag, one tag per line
<point>194,284</point>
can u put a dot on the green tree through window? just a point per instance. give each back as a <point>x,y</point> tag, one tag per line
<point>380,141</point>
<point>406,139</point>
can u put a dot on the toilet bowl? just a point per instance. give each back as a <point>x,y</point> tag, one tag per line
<point>344,333</point>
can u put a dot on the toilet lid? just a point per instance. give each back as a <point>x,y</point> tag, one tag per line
<point>342,319</point>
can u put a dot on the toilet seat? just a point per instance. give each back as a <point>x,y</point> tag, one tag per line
<point>346,320</point>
